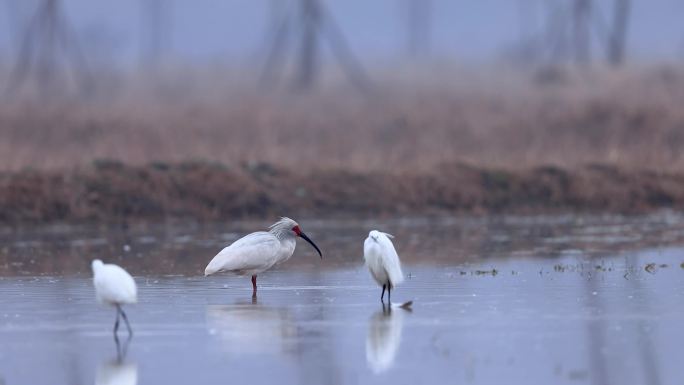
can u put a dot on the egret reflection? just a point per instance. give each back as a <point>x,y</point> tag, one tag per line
<point>384,338</point>
<point>117,371</point>
<point>252,328</point>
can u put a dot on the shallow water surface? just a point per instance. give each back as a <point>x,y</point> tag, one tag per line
<point>590,311</point>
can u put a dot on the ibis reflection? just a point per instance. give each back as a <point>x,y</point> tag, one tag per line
<point>252,328</point>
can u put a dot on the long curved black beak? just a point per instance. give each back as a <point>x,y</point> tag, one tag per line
<point>301,234</point>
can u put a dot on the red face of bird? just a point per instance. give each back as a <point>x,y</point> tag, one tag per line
<point>299,233</point>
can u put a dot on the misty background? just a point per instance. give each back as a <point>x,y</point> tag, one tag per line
<point>126,33</point>
<point>356,85</point>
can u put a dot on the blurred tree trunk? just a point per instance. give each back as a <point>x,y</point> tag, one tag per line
<point>618,38</point>
<point>310,24</point>
<point>310,21</point>
<point>47,34</point>
<point>277,39</point>
<point>581,32</point>
<point>156,31</point>
<point>419,27</point>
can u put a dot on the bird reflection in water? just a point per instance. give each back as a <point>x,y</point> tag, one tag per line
<point>252,328</point>
<point>384,337</point>
<point>117,371</point>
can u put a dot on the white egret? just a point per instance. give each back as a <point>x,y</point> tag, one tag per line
<point>383,262</point>
<point>257,252</point>
<point>114,286</point>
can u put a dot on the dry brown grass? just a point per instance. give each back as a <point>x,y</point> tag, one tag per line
<point>632,119</point>
<point>111,192</point>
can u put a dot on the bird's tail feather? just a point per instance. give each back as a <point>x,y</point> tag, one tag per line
<point>210,270</point>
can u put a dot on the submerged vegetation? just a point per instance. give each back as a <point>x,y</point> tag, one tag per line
<point>579,268</point>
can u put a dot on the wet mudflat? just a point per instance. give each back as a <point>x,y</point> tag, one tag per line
<point>518,301</point>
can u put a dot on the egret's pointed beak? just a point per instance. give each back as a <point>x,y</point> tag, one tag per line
<point>301,234</point>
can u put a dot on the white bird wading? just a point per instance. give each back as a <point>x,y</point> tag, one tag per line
<point>257,252</point>
<point>114,286</point>
<point>383,262</point>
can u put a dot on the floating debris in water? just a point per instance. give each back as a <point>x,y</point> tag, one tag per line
<point>650,268</point>
<point>600,268</point>
<point>493,272</point>
<point>561,268</point>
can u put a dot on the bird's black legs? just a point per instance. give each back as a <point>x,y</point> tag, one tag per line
<point>116,323</point>
<point>121,349</point>
<point>119,356</point>
<point>128,325</point>
<point>387,286</point>
<point>254,286</point>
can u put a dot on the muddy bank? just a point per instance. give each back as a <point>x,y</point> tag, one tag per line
<point>113,192</point>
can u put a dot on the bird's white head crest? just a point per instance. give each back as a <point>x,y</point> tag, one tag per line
<point>284,227</point>
<point>96,264</point>
<point>375,235</point>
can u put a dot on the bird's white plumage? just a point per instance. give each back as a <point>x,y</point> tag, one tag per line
<point>251,254</point>
<point>256,252</point>
<point>382,259</point>
<point>113,285</point>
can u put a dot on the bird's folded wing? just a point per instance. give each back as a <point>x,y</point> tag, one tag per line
<point>252,252</point>
<point>391,261</point>
<point>114,284</point>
